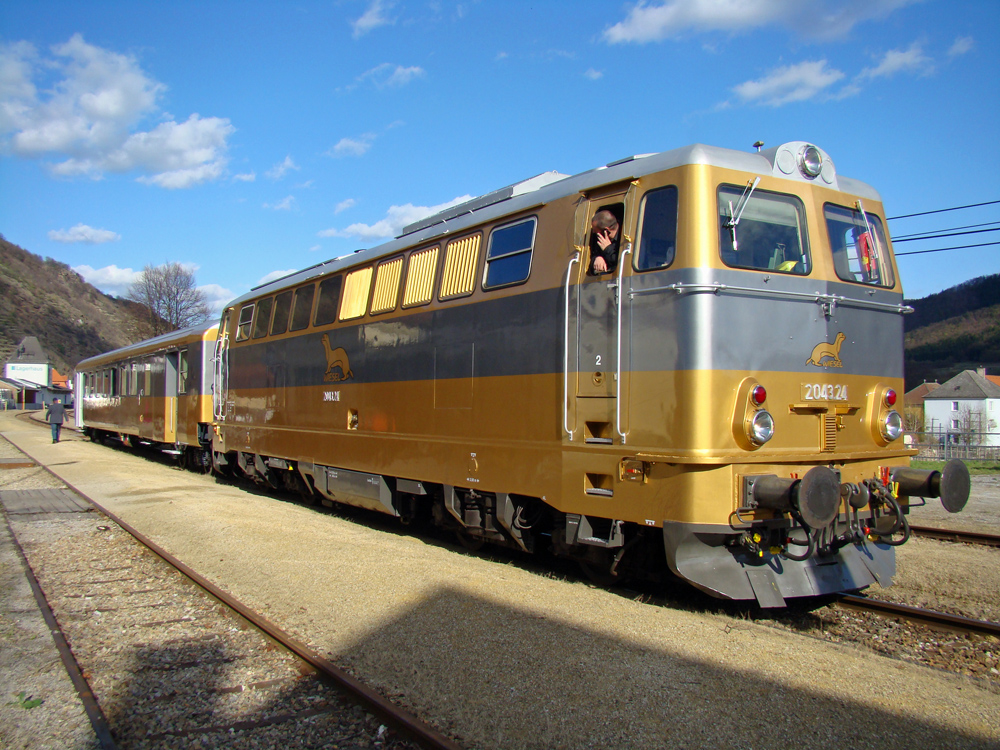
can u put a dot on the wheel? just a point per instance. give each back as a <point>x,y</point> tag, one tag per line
<point>471,543</point>
<point>600,574</point>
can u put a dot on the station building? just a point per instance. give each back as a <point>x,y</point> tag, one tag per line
<point>29,379</point>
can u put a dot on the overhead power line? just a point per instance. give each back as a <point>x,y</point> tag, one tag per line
<point>896,238</point>
<point>932,236</point>
<point>942,249</point>
<point>943,210</point>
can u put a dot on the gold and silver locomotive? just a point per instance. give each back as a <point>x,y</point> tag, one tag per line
<point>688,360</point>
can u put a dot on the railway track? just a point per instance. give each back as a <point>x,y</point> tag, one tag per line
<point>158,660</point>
<point>956,535</point>
<point>929,617</point>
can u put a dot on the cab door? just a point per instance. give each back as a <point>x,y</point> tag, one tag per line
<point>598,309</point>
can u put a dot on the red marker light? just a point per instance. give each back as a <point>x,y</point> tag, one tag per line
<point>890,397</point>
<point>758,394</point>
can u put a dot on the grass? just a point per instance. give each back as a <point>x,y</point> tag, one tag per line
<point>975,467</point>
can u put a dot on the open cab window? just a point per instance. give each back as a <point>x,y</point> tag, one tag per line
<point>763,231</point>
<point>860,252</point>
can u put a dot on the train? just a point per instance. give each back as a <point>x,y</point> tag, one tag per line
<point>157,392</point>
<point>683,364</point>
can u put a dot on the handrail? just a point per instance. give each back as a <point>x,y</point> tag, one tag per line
<point>569,269</point>
<point>618,363</point>
<point>818,297</point>
<point>219,385</point>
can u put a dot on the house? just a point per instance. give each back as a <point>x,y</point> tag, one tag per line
<point>36,381</point>
<point>965,409</point>
<point>913,405</point>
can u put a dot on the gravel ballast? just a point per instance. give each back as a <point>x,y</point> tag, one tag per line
<point>504,657</point>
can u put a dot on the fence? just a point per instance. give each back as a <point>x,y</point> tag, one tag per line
<point>968,446</point>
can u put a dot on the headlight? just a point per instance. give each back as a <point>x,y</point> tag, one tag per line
<point>810,161</point>
<point>761,427</point>
<point>892,426</point>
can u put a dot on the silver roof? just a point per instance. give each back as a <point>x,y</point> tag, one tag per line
<point>163,341</point>
<point>550,186</point>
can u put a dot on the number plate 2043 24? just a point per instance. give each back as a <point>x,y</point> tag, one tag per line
<point>824,392</point>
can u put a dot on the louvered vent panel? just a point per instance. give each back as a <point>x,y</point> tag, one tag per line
<point>829,441</point>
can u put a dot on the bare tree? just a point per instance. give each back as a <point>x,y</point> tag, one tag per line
<point>970,426</point>
<point>169,293</point>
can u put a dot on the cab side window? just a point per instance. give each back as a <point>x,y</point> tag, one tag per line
<point>658,229</point>
<point>508,258</point>
<point>246,319</point>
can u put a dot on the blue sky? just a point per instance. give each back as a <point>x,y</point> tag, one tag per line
<point>248,139</point>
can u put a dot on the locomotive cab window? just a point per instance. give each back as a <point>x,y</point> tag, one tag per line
<point>860,252</point>
<point>302,307</point>
<point>246,318</point>
<point>508,257</point>
<point>605,238</point>
<point>762,231</point>
<point>658,229</point>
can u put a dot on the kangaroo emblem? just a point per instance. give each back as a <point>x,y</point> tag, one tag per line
<point>824,350</point>
<point>336,359</point>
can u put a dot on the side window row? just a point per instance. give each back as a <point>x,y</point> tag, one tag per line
<point>508,261</point>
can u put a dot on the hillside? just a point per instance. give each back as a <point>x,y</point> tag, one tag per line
<point>954,330</point>
<point>71,319</point>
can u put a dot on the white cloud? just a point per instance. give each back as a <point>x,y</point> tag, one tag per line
<point>344,205</point>
<point>89,111</point>
<point>275,275</point>
<point>314,248</point>
<point>792,83</point>
<point>110,279</point>
<point>593,75</point>
<point>962,45</point>
<point>216,297</point>
<point>372,18</point>
<point>388,75</point>
<point>245,177</point>
<point>671,19</point>
<point>895,61</point>
<point>396,218</point>
<point>280,170</point>
<point>353,146</point>
<point>285,204</point>
<point>83,233</point>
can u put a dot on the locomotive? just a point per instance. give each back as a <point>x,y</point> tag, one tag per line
<point>688,361</point>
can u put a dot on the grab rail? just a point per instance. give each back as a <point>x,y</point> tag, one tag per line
<point>618,364</point>
<point>827,300</point>
<point>569,275</point>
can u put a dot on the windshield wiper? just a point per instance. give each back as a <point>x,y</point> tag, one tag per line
<point>736,213</point>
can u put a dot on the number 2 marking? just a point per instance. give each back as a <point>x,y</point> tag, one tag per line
<point>598,363</point>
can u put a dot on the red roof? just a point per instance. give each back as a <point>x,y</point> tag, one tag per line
<point>917,395</point>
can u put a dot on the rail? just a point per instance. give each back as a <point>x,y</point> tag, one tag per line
<point>618,356</point>
<point>420,732</point>
<point>828,301</point>
<point>569,274</point>
<point>932,618</point>
<point>957,535</point>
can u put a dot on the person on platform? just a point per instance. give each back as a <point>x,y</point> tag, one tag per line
<point>55,415</point>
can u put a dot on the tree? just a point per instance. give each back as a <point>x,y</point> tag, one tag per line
<point>169,294</point>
